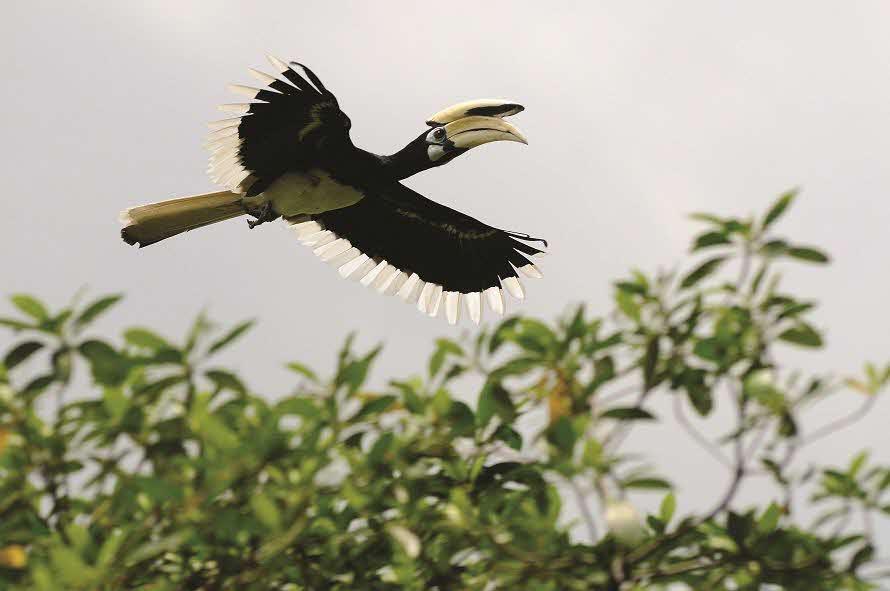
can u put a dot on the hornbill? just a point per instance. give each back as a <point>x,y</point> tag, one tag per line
<point>288,154</point>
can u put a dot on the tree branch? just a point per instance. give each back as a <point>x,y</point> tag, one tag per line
<point>702,441</point>
<point>841,422</point>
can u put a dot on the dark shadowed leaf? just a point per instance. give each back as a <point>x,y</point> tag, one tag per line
<point>461,418</point>
<point>703,270</point>
<point>647,483</point>
<point>629,413</point>
<point>809,254</point>
<point>109,367</point>
<point>374,406</point>
<point>802,334</point>
<point>562,434</point>
<point>509,436</point>
<point>21,352</point>
<point>709,239</point>
<point>778,208</point>
<point>650,362</point>
<point>230,336</point>
<point>494,400</point>
<point>225,380</point>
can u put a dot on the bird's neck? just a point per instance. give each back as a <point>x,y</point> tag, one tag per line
<point>406,162</point>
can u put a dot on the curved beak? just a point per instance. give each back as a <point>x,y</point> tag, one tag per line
<point>481,107</point>
<point>469,132</point>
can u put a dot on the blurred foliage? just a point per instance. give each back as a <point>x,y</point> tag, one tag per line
<point>139,464</point>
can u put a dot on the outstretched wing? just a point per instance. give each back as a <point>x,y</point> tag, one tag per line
<point>290,124</point>
<point>400,242</point>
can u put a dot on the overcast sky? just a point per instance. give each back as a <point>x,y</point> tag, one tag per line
<point>637,113</point>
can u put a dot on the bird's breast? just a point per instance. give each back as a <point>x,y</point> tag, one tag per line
<point>310,192</point>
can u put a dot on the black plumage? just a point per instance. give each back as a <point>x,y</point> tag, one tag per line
<point>292,142</point>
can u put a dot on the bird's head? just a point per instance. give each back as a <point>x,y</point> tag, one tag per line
<point>464,126</point>
<point>455,131</point>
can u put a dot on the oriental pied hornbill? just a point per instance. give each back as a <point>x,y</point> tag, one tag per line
<point>289,155</point>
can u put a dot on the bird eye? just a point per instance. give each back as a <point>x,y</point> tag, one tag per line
<point>439,134</point>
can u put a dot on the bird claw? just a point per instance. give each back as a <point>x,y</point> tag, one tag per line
<point>263,213</point>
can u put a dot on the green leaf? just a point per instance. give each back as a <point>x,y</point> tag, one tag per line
<point>629,413</point>
<point>862,556</point>
<point>647,483</point>
<point>631,287</point>
<point>494,399</point>
<point>16,325</point>
<point>70,567</point>
<point>444,348</point>
<point>21,352</point>
<point>707,217</point>
<point>145,339</point>
<point>509,436</point>
<point>461,418</point>
<point>380,447</point>
<point>709,239</point>
<point>109,549</point>
<point>668,507</point>
<point>770,519</point>
<point>857,463</point>
<point>374,406</point>
<point>96,309</point>
<point>302,370</point>
<point>774,248</point>
<point>108,367</point>
<point>802,334</point>
<point>230,336</point>
<point>30,306</point>
<point>778,208</point>
<point>158,490</point>
<point>809,254</point>
<point>650,362</point>
<point>265,510</point>
<point>155,547</point>
<point>215,432</point>
<point>703,270</point>
<point>628,305</point>
<point>225,380</point>
<point>562,435</point>
<point>353,375</point>
<point>115,402</point>
<point>304,407</point>
<point>38,385</point>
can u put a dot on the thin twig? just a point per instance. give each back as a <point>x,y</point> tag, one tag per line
<point>586,515</point>
<point>738,462</point>
<point>703,442</point>
<point>841,422</point>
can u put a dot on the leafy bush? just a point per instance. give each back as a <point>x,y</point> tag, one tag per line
<point>168,472</point>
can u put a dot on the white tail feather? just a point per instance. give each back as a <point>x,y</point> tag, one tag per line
<point>147,224</point>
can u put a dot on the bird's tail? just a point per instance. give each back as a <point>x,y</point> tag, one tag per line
<point>147,224</point>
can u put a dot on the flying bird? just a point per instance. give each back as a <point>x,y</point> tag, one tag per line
<point>288,154</point>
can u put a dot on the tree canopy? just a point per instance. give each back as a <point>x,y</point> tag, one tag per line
<point>140,463</point>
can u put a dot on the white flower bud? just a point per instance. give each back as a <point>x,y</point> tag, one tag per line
<point>624,522</point>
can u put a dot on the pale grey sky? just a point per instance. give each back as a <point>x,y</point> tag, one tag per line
<point>637,114</point>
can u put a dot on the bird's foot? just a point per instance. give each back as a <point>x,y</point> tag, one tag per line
<point>263,213</point>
